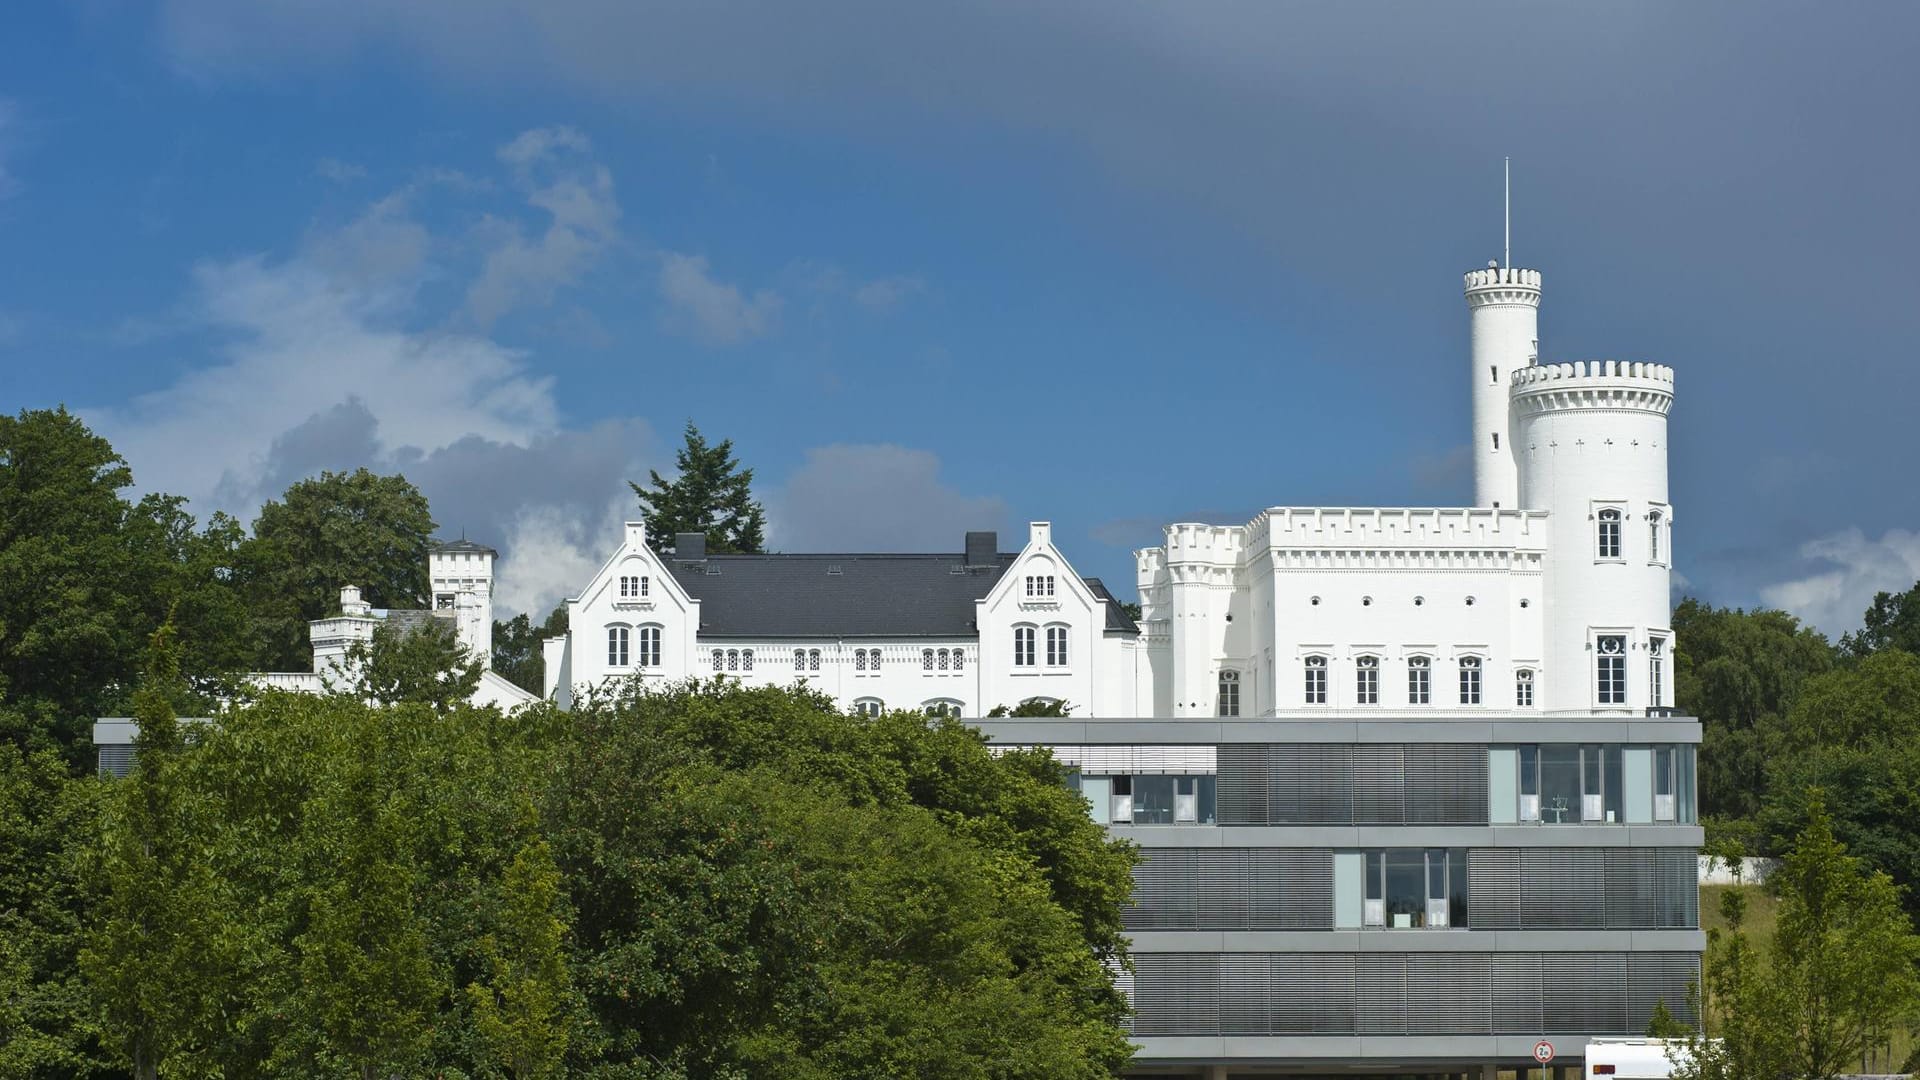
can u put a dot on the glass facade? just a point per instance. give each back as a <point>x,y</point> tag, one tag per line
<point>1592,784</point>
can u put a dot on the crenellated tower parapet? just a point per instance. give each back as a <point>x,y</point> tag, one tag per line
<point>1503,285</point>
<point>1584,385</point>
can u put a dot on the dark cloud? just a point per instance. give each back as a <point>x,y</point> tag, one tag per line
<point>876,498</point>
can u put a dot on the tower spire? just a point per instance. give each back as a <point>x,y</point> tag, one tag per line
<point>1506,250</point>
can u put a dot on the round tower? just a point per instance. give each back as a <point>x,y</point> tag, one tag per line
<point>1591,441</point>
<point>1505,309</point>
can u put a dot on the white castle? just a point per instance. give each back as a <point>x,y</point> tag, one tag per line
<point>1548,596</point>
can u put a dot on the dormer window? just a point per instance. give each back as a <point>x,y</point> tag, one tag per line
<point>632,586</point>
<point>1039,586</point>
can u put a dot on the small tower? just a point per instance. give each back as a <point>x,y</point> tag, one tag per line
<point>1505,309</point>
<point>461,573</point>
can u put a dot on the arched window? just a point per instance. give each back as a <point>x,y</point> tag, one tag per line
<point>746,659</point>
<point>959,659</point>
<point>1056,646</point>
<point>1656,671</point>
<point>1610,669</point>
<point>799,659</point>
<point>869,707</point>
<point>719,660</point>
<point>733,659</point>
<point>1608,534</point>
<point>813,660</point>
<point>945,656</point>
<point>649,646</point>
<point>1023,646</point>
<point>1653,536</point>
<point>616,646</point>
<point>1229,693</point>
<point>1419,680</point>
<point>859,659</point>
<point>1523,688</point>
<point>1366,680</point>
<point>873,659</point>
<point>1469,680</point>
<point>1316,668</point>
<point>942,707</point>
<point>926,660</point>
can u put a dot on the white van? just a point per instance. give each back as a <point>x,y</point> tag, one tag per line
<point>1632,1059</point>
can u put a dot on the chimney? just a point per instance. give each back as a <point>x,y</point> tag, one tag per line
<point>351,604</point>
<point>690,547</point>
<point>983,548</point>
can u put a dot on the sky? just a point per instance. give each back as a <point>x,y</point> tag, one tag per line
<point>963,266</point>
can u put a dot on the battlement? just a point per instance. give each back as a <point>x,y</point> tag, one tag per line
<point>1422,527</point>
<point>1593,384</point>
<point>1503,277</point>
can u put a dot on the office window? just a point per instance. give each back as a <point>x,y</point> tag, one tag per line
<point>1316,669</point>
<point>1610,669</point>
<point>1366,689</point>
<point>1229,693</point>
<point>1419,680</point>
<point>1656,671</point>
<point>616,646</point>
<point>1608,534</point>
<point>1568,785</point>
<point>649,646</point>
<point>1469,680</point>
<point>1056,646</point>
<point>1023,646</point>
<point>1415,888</point>
<point>1523,688</point>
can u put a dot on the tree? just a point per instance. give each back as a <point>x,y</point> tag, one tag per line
<point>1837,978</point>
<point>85,576</point>
<point>421,662</point>
<point>1739,672</point>
<point>711,494</point>
<point>338,529</point>
<point>1892,621</point>
<point>517,652</point>
<point>1032,707</point>
<point>818,895</point>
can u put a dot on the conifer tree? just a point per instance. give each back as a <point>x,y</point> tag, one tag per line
<point>712,494</point>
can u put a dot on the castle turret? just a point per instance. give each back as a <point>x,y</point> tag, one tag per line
<point>1591,439</point>
<point>1505,307</point>
<point>461,573</point>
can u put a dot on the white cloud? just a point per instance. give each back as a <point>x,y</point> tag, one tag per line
<point>711,310</point>
<point>1834,599</point>
<point>875,497</point>
<point>555,553</point>
<point>882,293</point>
<point>552,166</point>
<point>339,172</point>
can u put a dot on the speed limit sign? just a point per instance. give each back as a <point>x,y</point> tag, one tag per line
<point>1543,1051</point>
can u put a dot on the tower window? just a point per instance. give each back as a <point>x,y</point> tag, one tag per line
<point>1608,534</point>
<point>1610,671</point>
<point>1316,689</point>
<point>1367,680</point>
<point>1653,536</point>
<point>1469,680</point>
<point>1229,693</point>
<point>1656,671</point>
<point>1523,688</point>
<point>1496,440</point>
<point>1493,379</point>
<point>1419,680</point>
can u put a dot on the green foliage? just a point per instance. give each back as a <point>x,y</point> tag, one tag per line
<point>85,576</point>
<point>1839,976</point>
<point>421,663</point>
<point>1662,1024</point>
<point>1740,672</point>
<point>1032,707</point>
<point>711,494</point>
<point>766,886</point>
<point>338,529</point>
<point>517,654</point>
<point>1891,622</point>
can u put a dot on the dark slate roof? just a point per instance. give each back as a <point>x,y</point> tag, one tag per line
<point>463,544</point>
<point>1116,618</point>
<point>844,596</point>
<point>405,621</point>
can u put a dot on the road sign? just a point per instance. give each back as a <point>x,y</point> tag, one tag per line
<point>1543,1051</point>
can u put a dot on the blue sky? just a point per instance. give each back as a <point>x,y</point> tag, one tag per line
<point>939,268</point>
